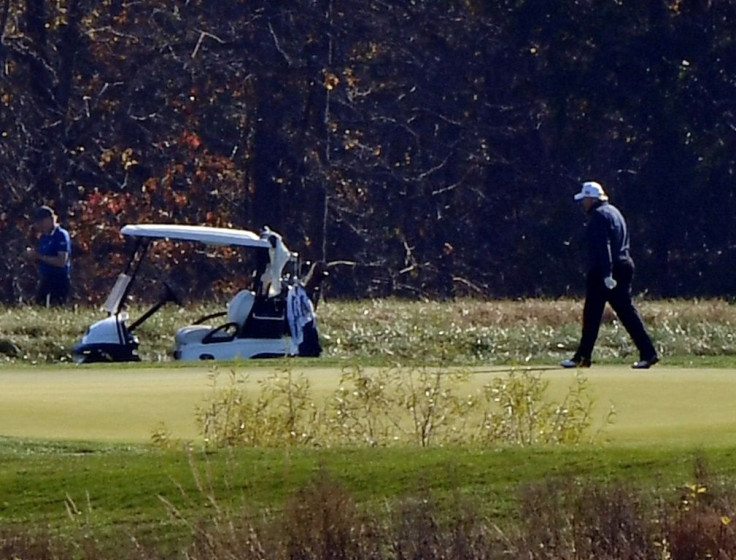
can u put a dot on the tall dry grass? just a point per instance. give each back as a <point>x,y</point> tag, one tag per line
<point>563,518</point>
<point>465,331</point>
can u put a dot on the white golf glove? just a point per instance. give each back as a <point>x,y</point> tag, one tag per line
<point>610,282</point>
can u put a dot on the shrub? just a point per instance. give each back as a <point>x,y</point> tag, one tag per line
<point>437,414</point>
<point>569,518</point>
<point>412,406</point>
<point>281,413</point>
<point>321,521</point>
<point>362,408</point>
<point>518,412</point>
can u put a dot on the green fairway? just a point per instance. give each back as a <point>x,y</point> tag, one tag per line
<point>668,406</point>
<point>72,459</point>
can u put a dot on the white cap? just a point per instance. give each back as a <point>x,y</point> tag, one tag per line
<point>591,189</point>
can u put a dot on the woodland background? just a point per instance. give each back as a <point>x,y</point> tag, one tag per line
<point>382,133</point>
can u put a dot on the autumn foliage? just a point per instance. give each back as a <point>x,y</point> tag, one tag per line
<point>433,146</point>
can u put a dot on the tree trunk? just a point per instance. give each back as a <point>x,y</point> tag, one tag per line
<point>268,152</point>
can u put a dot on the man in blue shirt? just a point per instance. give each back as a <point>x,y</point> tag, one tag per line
<point>610,271</point>
<point>53,256</point>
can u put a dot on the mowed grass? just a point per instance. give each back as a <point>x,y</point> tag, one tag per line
<point>78,461</point>
<point>119,487</point>
<point>74,441</point>
<point>662,406</point>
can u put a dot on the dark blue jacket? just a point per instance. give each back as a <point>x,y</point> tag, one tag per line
<point>608,238</point>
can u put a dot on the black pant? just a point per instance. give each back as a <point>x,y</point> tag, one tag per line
<point>597,295</point>
<point>53,291</point>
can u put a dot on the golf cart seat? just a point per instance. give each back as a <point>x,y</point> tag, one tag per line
<point>238,310</point>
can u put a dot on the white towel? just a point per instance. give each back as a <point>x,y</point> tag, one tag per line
<point>299,313</point>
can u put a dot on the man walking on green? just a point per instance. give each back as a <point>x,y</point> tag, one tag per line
<point>610,271</point>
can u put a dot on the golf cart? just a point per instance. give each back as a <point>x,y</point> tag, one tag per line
<point>275,317</point>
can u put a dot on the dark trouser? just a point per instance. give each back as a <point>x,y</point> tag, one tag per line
<point>53,291</point>
<point>597,295</point>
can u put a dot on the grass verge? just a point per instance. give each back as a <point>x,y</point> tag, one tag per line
<point>120,496</point>
<point>462,332</point>
<point>111,485</point>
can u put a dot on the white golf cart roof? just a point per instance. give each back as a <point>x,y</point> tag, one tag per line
<point>203,234</point>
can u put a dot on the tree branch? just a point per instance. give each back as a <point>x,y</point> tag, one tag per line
<point>202,35</point>
<point>278,45</point>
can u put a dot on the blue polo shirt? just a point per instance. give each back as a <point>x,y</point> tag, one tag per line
<point>50,245</point>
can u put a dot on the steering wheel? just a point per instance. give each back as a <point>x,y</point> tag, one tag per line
<point>171,295</point>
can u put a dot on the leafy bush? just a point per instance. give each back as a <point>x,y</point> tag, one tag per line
<point>281,413</point>
<point>362,406</point>
<point>521,414</point>
<point>412,406</point>
<point>407,406</point>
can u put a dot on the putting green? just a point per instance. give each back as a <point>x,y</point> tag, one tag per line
<point>666,406</point>
<point>663,406</point>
